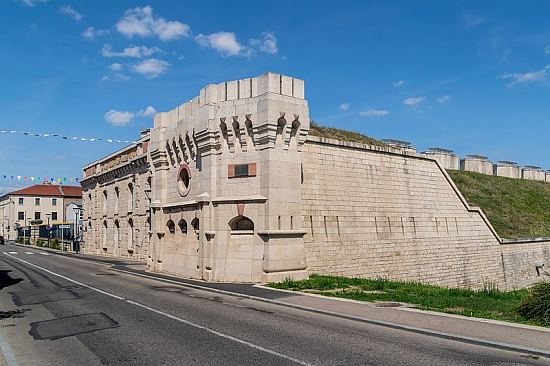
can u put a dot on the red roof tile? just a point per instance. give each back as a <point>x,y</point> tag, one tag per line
<point>50,190</point>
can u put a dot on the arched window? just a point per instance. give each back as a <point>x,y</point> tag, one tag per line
<point>117,234</point>
<point>171,227</point>
<point>117,198</point>
<point>183,226</point>
<point>130,234</point>
<point>105,234</point>
<point>130,197</point>
<point>196,227</point>
<point>241,223</point>
<point>105,202</point>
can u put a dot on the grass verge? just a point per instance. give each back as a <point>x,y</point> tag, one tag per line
<point>342,135</point>
<point>489,303</point>
<point>516,208</point>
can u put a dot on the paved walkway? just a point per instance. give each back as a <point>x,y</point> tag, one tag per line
<point>518,337</point>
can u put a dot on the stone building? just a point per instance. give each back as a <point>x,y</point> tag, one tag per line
<point>477,163</point>
<point>116,201</point>
<point>508,169</point>
<point>40,202</point>
<point>533,173</point>
<point>230,186</point>
<point>446,158</point>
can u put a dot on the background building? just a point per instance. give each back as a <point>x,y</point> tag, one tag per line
<point>46,202</point>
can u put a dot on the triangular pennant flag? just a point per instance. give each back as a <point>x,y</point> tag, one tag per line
<point>25,178</point>
<point>76,179</point>
<point>38,179</point>
<point>32,178</point>
<point>4,176</point>
<point>18,177</point>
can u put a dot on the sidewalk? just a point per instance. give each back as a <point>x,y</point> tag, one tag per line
<point>492,333</point>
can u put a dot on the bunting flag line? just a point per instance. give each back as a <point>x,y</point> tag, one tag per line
<point>68,138</point>
<point>40,178</point>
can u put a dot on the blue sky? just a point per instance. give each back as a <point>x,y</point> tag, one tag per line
<point>465,75</point>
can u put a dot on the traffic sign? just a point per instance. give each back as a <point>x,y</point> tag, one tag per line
<point>64,226</point>
<point>48,227</point>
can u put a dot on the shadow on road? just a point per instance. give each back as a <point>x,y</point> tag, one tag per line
<point>6,280</point>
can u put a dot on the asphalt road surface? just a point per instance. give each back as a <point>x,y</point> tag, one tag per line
<point>61,310</point>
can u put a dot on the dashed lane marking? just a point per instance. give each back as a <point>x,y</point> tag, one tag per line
<point>170,316</point>
<point>31,253</point>
<point>12,252</point>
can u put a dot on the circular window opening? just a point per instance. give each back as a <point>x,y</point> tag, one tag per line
<point>184,176</point>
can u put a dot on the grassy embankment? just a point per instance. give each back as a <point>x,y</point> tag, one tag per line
<point>342,135</point>
<point>516,208</point>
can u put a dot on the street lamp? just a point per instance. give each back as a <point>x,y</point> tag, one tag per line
<point>77,210</point>
<point>49,229</point>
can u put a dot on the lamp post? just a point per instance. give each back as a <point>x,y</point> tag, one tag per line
<point>49,231</point>
<point>77,210</point>
<point>24,225</point>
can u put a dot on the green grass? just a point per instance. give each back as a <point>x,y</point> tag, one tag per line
<point>516,208</point>
<point>342,135</point>
<point>490,303</point>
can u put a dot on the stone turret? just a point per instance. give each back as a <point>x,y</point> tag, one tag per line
<point>227,159</point>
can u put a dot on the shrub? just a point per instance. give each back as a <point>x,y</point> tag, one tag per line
<point>536,305</point>
<point>40,242</point>
<point>19,240</point>
<point>27,241</point>
<point>54,244</point>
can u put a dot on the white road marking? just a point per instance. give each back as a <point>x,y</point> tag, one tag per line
<point>44,253</point>
<point>12,252</point>
<point>187,322</point>
<point>31,253</point>
<point>7,351</point>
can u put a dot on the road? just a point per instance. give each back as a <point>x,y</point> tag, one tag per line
<point>61,310</point>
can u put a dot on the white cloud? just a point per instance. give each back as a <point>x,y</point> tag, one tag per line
<point>399,83</point>
<point>119,118</point>
<point>547,50</point>
<point>122,118</point>
<point>149,111</point>
<point>91,33</point>
<point>122,77</point>
<point>131,51</point>
<point>115,66</point>
<point>473,20</point>
<point>142,23</point>
<point>30,3</point>
<point>151,68</point>
<point>227,45</point>
<point>374,113</point>
<point>224,42</point>
<point>444,99</point>
<point>414,101</point>
<point>344,106</point>
<point>268,44</point>
<point>71,12</point>
<point>104,78</point>
<point>525,78</point>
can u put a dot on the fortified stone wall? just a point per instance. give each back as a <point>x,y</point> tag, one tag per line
<point>384,214</point>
